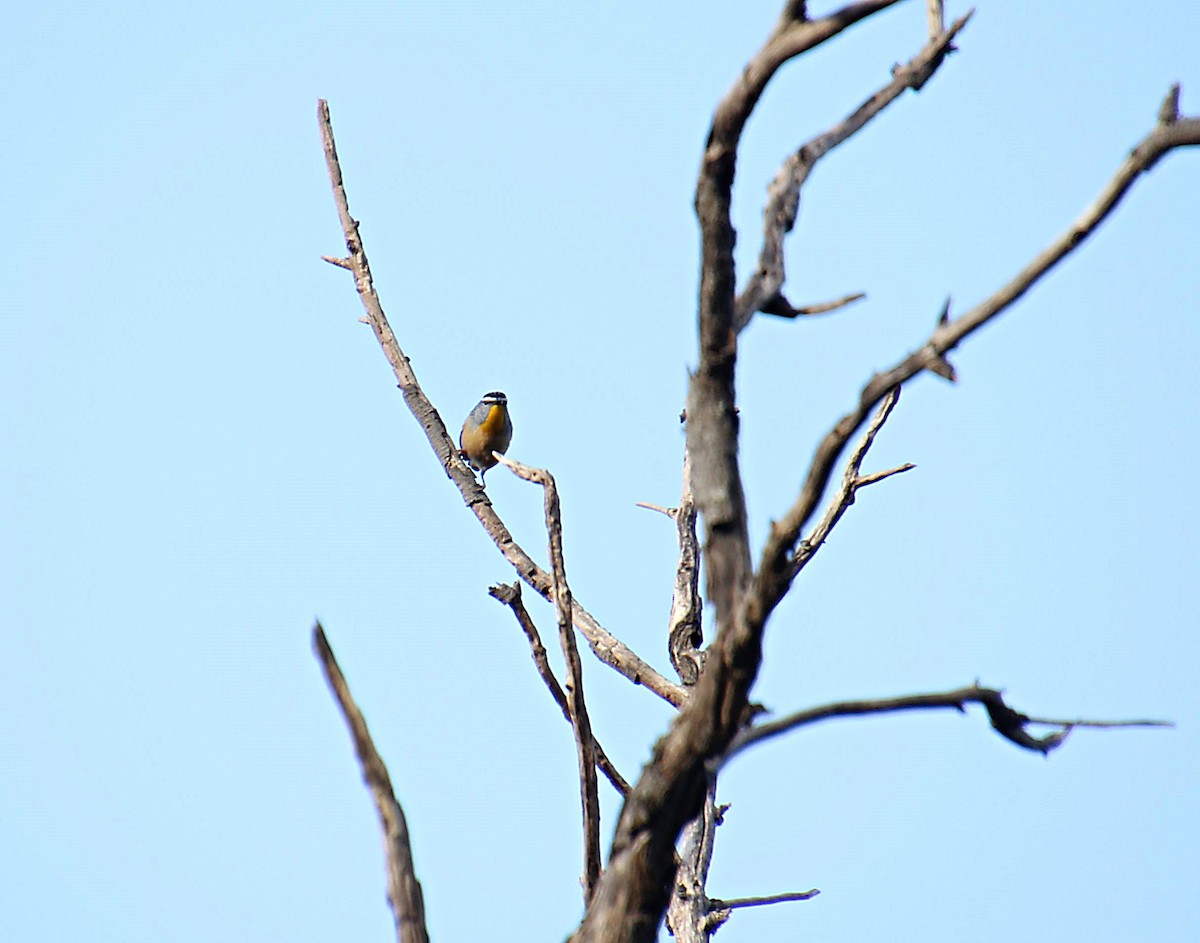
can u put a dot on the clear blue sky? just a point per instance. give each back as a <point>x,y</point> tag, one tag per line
<point>202,450</point>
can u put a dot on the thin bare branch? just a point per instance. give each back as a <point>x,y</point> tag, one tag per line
<point>511,597</point>
<point>764,290</point>
<point>580,722</point>
<point>607,647</point>
<point>1101,724</point>
<point>1009,723</point>
<point>403,888</point>
<point>775,571</point>
<point>852,480</point>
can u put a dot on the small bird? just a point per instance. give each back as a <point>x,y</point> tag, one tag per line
<point>486,430</point>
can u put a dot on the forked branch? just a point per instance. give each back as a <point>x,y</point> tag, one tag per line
<point>852,481</point>
<point>712,427</point>
<point>764,290</point>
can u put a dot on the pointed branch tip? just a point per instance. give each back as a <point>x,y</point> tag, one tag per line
<point>1168,112</point>
<point>670,512</point>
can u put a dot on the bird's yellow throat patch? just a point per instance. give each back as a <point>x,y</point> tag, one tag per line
<point>494,421</point>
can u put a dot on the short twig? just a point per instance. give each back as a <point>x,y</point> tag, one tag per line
<point>736,902</point>
<point>780,307</point>
<point>669,512</point>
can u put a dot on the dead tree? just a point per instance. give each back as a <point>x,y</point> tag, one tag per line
<point>657,865</point>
